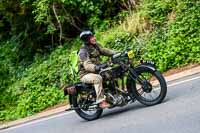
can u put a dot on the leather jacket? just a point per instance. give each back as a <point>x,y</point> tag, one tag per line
<point>89,57</point>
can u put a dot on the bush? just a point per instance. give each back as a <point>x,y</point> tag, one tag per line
<point>157,10</point>
<point>178,44</point>
<point>41,85</point>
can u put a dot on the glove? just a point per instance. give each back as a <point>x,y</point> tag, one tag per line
<point>99,67</point>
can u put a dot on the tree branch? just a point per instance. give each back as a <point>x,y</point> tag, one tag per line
<point>71,19</point>
<point>59,23</point>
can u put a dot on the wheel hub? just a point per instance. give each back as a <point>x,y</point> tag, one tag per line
<point>146,86</point>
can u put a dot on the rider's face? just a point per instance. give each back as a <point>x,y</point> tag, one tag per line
<point>92,40</point>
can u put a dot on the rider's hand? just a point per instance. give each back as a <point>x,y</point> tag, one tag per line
<point>101,66</point>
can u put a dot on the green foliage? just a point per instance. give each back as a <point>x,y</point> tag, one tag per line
<point>116,38</point>
<point>180,43</point>
<point>174,41</point>
<point>157,10</point>
<point>9,66</point>
<point>41,85</point>
<point>40,25</point>
<point>119,39</point>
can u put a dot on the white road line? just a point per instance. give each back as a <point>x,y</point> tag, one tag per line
<point>184,81</point>
<point>67,113</point>
<point>36,121</point>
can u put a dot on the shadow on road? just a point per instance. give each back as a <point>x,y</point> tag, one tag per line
<point>111,113</point>
<point>132,107</point>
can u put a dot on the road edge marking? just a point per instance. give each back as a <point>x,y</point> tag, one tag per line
<point>10,127</point>
<point>180,82</point>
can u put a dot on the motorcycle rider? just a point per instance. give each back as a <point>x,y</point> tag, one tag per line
<point>89,64</point>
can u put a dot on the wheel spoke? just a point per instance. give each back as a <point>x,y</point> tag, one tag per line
<point>154,93</point>
<point>144,94</point>
<point>156,88</point>
<point>140,91</point>
<point>82,102</point>
<point>151,96</point>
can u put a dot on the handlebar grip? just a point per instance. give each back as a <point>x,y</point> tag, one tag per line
<point>116,55</point>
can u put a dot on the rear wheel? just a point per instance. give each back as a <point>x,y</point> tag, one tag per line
<point>153,88</point>
<point>85,107</point>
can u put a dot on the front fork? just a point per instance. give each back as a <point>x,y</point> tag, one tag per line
<point>146,86</point>
<point>133,75</point>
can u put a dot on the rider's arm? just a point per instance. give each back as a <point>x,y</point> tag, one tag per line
<point>85,60</point>
<point>89,66</point>
<point>106,51</point>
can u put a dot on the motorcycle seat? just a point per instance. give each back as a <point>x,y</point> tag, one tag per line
<point>83,85</point>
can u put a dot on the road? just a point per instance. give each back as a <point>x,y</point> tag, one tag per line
<point>179,113</point>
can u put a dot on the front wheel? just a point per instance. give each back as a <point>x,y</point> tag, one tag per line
<point>153,88</point>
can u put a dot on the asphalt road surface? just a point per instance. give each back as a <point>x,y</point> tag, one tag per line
<point>179,113</point>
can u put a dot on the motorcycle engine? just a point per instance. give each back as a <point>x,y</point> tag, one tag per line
<point>118,100</point>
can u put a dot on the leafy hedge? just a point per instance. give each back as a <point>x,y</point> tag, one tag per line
<point>41,85</point>
<point>179,43</point>
<point>174,40</point>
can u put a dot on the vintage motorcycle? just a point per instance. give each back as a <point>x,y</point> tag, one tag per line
<point>123,83</point>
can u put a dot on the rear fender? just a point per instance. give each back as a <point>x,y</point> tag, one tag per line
<point>70,99</point>
<point>79,86</point>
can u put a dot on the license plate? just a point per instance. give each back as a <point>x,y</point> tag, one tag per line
<point>130,54</point>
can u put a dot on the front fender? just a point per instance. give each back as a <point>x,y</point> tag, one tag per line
<point>146,65</point>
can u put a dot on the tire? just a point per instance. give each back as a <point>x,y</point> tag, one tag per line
<point>161,82</point>
<point>82,114</point>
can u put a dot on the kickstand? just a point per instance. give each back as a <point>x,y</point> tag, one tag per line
<point>68,109</point>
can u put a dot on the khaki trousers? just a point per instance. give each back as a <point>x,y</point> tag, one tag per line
<point>96,80</point>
